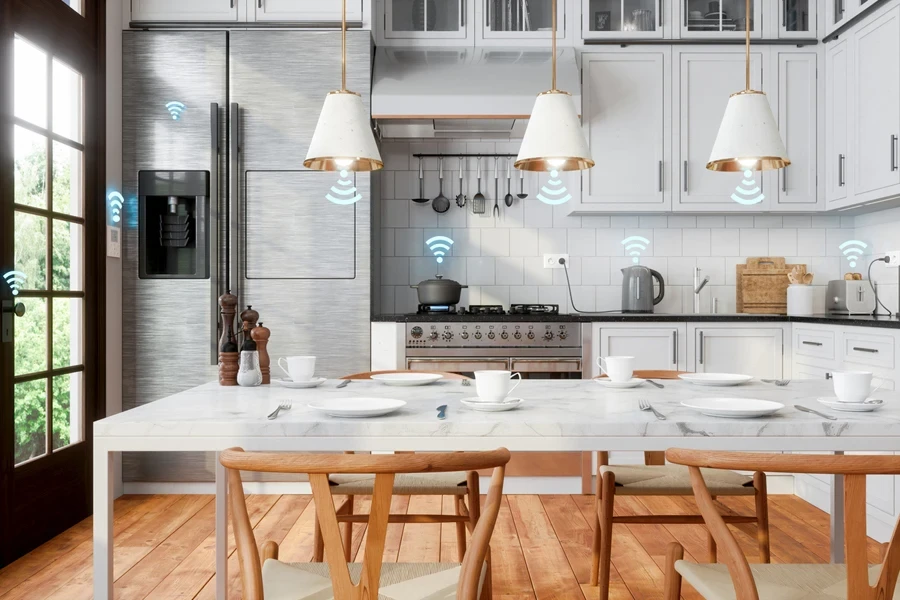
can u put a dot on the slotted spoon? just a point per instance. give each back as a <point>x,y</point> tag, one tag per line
<point>441,203</point>
<point>478,202</point>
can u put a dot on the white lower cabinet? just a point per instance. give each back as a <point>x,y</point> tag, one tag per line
<point>738,348</point>
<point>655,347</point>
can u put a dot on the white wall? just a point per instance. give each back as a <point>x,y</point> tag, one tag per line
<point>881,232</point>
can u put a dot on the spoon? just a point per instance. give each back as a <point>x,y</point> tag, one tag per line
<point>461,198</point>
<point>421,199</point>
<point>522,195</point>
<point>441,204</point>
<point>508,199</point>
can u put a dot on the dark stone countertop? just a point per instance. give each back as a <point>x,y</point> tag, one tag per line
<point>617,317</point>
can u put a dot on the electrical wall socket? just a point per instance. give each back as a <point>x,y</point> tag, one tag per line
<point>894,258</point>
<point>551,261</point>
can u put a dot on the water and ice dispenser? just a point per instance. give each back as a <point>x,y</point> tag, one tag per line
<point>173,222</point>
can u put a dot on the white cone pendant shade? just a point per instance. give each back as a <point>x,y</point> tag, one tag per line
<point>748,136</point>
<point>343,139</point>
<point>553,139</point>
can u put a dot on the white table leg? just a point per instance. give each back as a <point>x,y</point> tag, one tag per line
<point>837,518</point>
<point>103,523</point>
<point>221,531</point>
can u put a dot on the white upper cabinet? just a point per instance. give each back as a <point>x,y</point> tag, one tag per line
<point>519,22</point>
<point>427,21</point>
<point>625,95</point>
<point>305,11</point>
<point>797,18</point>
<point>719,19</point>
<point>795,187</point>
<point>179,10</point>
<point>837,123</point>
<point>639,19</point>
<point>876,89</point>
<point>703,83</point>
<point>326,11</point>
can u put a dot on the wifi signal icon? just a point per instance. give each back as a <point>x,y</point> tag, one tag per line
<point>346,194</point>
<point>16,281</point>
<point>175,109</point>
<point>853,249</point>
<point>557,194</point>
<point>116,202</point>
<point>747,197</point>
<point>439,246</point>
<point>634,245</point>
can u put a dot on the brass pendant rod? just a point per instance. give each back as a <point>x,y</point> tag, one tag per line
<point>747,19</point>
<point>343,45</point>
<point>553,44</point>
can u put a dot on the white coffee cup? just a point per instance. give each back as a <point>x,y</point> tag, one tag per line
<point>853,386</point>
<point>495,386</point>
<point>617,368</point>
<point>299,368</point>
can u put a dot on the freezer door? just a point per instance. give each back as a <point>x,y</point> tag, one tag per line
<point>301,260</point>
<point>168,325</point>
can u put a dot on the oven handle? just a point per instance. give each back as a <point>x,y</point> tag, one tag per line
<point>521,365</point>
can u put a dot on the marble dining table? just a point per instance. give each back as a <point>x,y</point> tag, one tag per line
<point>556,415</point>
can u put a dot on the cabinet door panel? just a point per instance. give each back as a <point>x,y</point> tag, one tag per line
<point>305,10</point>
<point>179,10</point>
<point>653,349</point>
<point>424,20</point>
<point>877,87</point>
<point>625,106</point>
<point>798,124</point>
<point>756,352</point>
<point>837,111</point>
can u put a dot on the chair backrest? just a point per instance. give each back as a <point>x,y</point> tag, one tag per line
<point>654,374</point>
<point>385,467</point>
<point>853,468</point>
<point>368,374</point>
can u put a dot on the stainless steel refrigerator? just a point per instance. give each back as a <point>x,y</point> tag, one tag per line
<point>216,126</point>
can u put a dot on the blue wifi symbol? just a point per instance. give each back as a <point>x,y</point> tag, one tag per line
<point>748,199</point>
<point>116,202</point>
<point>853,249</point>
<point>439,246</point>
<point>346,194</point>
<point>557,194</point>
<point>175,109</point>
<point>16,281</point>
<point>634,245</point>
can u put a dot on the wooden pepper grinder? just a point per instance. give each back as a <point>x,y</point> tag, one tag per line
<point>228,348</point>
<point>249,318</point>
<point>261,335</point>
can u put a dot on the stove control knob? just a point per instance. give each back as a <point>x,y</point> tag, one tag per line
<point>491,335</point>
<point>530,335</point>
<point>563,335</point>
<point>433,336</point>
<point>416,332</point>
<point>548,335</point>
<point>504,335</point>
<point>448,335</point>
<point>518,335</point>
<point>464,335</point>
<point>477,335</point>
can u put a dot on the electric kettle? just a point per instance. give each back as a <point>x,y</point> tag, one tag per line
<point>637,289</point>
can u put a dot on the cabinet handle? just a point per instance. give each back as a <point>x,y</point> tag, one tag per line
<point>675,347</point>
<point>827,375</point>
<point>701,347</point>
<point>784,14</point>
<point>869,350</point>
<point>685,10</point>
<point>259,4</point>
<point>213,231</point>
<point>811,343</point>
<point>462,13</point>
<point>893,153</point>
<point>841,170</point>
<point>231,4</point>
<point>841,7</point>
<point>784,180</point>
<point>685,176</point>
<point>660,175</point>
<point>659,10</point>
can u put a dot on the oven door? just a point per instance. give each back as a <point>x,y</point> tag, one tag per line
<point>547,368</point>
<point>461,365</point>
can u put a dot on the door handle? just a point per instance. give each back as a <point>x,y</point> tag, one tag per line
<point>685,176</point>
<point>234,204</point>
<point>214,230</point>
<point>10,310</point>
<point>841,170</point>
<point>893,153</point>
<point>659,175</point>
<point>701,347</point>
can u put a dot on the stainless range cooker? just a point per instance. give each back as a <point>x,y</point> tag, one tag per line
<point>465,341</point>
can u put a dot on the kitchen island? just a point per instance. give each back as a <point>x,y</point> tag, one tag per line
<point>560,415</point>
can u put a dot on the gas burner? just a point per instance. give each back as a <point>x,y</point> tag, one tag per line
<point>483,309</point>
<point>432,309</point>
<point>534,309</point>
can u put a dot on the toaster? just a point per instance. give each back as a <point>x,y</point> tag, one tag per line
<point>849,297</point>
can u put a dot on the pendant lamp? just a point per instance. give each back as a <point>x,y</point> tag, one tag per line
<point>343,140</point>
<point>553,139</point>
<point>748,138</point>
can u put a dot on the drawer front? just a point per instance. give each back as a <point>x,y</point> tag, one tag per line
<point>814,343</point>
<point>868,349</point>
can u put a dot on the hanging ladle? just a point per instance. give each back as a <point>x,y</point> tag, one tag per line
<point>421,199</point>
<point>522,195</point>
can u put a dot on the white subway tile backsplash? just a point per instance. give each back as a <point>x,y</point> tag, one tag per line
<point>714,266</point>
<point>491,294</point>
<point>386,180</point>
<point>724,242</point>
<point>561,218</point>
<point>782,242</point>
<point>537,214</point>
<point>738,221</point>
<point>624,221</point>
<point>511,217</point>
<point>574,271</point>
<point>711,221</point>
<point>595,270</point>
<point>767,221</point>
<point>833,240</point>
<point>535,273</point>
<point>406,299</point>
<point>582,242</point>
<point>811,242</point>
<point>466,242</point>
<point>754,242</point>
<point>395,156</point>
<point>386,300</point>
<point>480,271</point>
<point>554,294</point>
<point>395,213</point>
<point>583,297</point>
<point>409,242</point>
<point>422,215</point>
<point>523,242</point>
<point>595,222</point>
<point>523,294</point>
<point>609,297</point>
<point>797,221</point>
<point>394,270</point>
<point>387,242</point>
<point>654,222</point>
<point>696,242</point>
<point>609,242</point>
<point>682,221</point>
<point>455,217</point>
<point>731,263</point>
<point>552,241</point>
<point>667,242</point>
<point>495,242</point>
<point>826,221</point>
<point>510,270</point>
<point>681,270</point>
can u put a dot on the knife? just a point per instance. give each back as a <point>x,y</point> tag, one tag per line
<point>342,384</point>
<point>815,412</point>
<point>654,384</point>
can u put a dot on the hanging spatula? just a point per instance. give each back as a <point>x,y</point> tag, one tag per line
<point>478,200</point>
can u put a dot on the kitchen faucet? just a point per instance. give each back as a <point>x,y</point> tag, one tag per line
<point>698,285</point>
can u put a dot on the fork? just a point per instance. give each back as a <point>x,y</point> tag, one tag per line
<point>778,382</point>
<point>286,405</point>
<point>466,383</point>
<point>644,405</point>
<point>800,407</point>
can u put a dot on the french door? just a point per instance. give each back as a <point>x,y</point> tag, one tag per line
<point>51,226</point>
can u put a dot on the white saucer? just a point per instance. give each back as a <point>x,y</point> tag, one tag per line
<point>357,407</point>
<point>733,408</point>
<point>300,385</point>
<point>869,405</point>
<point>406,379</point>
<point>620,385</point>
<point>508,404</point>
<point>715,379</point>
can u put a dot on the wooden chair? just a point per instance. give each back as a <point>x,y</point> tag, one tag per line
<point>737,579</point>
<point>460,484</point>
<point>656,478</point>
<point>275,580</point>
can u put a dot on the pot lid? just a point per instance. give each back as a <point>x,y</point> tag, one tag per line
<point>440,281</point>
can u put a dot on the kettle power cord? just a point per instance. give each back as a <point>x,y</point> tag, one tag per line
<point>562,261</point>
<point>878,301</point>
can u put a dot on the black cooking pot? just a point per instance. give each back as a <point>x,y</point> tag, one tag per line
<point>439,291</point>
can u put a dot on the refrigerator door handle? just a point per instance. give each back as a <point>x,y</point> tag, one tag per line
<point>214,293</point>
<point>234,201</point>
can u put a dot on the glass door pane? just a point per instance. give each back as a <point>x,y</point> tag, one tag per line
<point>621,16</point>
<point>519,16</point>
<point>717,16</point>
<point>424,16</point>
<point>795,17</point>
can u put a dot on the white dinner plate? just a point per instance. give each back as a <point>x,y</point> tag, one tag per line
<point>357,407</point>
<point>868,406</point>
<point>733,408</point>
<point>300,385</point>
<point>508,404</point>
<point>717,379</point>
<point>620,385</point>
<point>404,379</point>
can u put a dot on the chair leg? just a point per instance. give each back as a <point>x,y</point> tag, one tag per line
<point>348,532</point>
<point>318,542</point>
<point>762,516</point>
<point>269,550</point>
<point>674,553</point>
<point>595,543</point>
<point>460,530</point>
<point>606,516</point>
<point>711,544</point>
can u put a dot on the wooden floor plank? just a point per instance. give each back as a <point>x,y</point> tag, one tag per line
<point>421,542</point>
<point>509,571</point>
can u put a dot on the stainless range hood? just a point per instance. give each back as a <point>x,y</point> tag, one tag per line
<point>464,92</point>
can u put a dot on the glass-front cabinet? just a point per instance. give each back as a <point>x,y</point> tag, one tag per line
<point>623,19</point>
<point>512,21</point>
<point>797,18</point>
<point>719,18</point>
<point>425,19</point>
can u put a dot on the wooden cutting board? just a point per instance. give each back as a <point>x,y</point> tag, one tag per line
<point>762,285</point>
